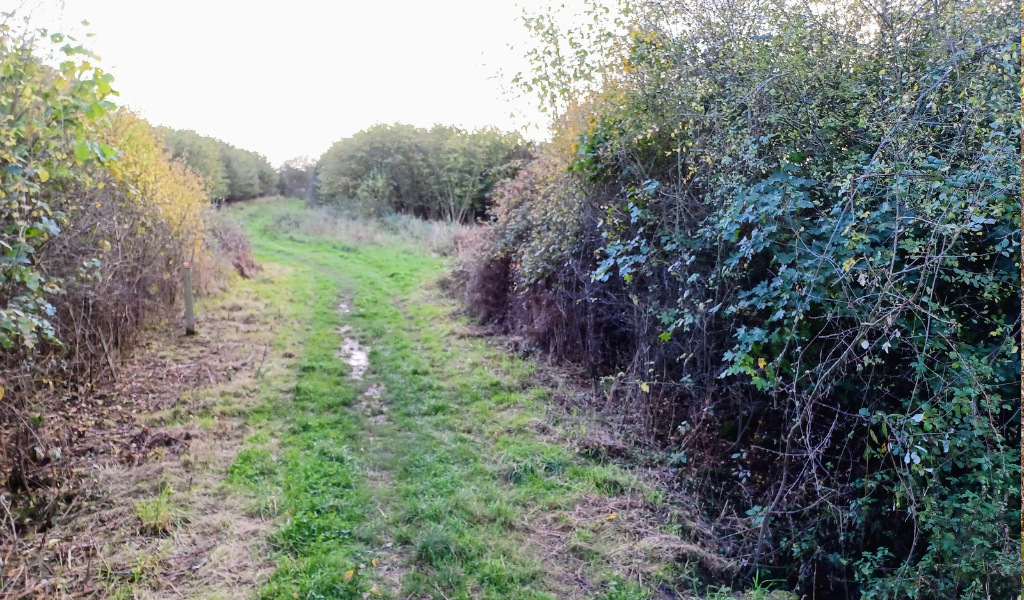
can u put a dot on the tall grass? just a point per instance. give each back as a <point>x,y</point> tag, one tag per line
<point>437,237</point>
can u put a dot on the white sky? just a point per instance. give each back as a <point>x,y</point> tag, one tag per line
<point>290,78</point>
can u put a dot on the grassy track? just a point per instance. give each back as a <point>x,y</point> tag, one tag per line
<point>433,475</point>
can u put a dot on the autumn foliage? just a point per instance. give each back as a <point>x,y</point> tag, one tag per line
<point>96,218</point>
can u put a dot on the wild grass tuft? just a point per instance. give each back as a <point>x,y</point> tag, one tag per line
<point>159,514</point>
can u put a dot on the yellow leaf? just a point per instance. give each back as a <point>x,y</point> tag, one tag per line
<point>761,363</point>
<point>2,390</point>
<point>646,388</point>
<point>611,516</point>
<point>44,175</point>
<point>349,575</point>
<point>374,562</point>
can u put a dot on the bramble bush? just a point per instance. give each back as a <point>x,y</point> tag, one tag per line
<point>795,229</point>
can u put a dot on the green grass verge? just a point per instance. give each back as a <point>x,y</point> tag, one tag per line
<point>432,489</point>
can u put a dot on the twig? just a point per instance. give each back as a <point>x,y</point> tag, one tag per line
<point>440,592</point>
<point>14,529</point>
<point>110,360</point>
<point>262,360</point>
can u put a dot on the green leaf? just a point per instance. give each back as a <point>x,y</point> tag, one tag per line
<point>81,152</point>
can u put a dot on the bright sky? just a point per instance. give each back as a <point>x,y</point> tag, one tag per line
<point>290,78</point>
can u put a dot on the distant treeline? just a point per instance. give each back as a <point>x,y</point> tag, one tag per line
<point>230,173</point>
<point>439,173</point>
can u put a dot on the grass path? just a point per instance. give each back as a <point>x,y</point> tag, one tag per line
<point>437,474</point>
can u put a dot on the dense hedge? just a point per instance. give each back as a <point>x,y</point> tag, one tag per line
<point>95,220</point>
<point>794,229</point>
<point>440,173</point>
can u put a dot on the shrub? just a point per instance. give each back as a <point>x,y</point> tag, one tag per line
<point>795,229</point>
<point>297,178</point>
<point>95,221</point>
<point>202,154</point>
<point>54,118</point>
<point>232,242</point>
<point>118,256</point>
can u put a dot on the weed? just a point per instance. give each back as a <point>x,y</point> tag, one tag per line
<point>157,515</point>
<point>437,546</point>
<point>120,592</point>
<point>252,466</point>
<point>618,589</point>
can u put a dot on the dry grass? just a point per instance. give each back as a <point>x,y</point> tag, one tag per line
<point>437,237</point>
<point>629,530</point>
<point>145,513</point>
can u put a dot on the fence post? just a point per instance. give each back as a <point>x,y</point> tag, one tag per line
<point>186,278</point>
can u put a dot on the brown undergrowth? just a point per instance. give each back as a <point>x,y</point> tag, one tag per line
<point>123,494</point>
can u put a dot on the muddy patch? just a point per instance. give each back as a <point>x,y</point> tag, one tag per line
<point>355,356</point>
<point>372,404</point>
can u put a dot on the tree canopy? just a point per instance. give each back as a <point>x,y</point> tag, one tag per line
<point>441,173</point>
<point>230,173</point>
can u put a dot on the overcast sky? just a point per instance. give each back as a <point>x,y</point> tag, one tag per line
<point>290,78</point>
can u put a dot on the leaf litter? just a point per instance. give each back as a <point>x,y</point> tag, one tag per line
<point>159,438</point>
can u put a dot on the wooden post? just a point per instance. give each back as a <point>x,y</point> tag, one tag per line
<point>186,279</point>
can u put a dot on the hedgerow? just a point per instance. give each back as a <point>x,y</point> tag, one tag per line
<point>794,229</point>
<point>96,219</point>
